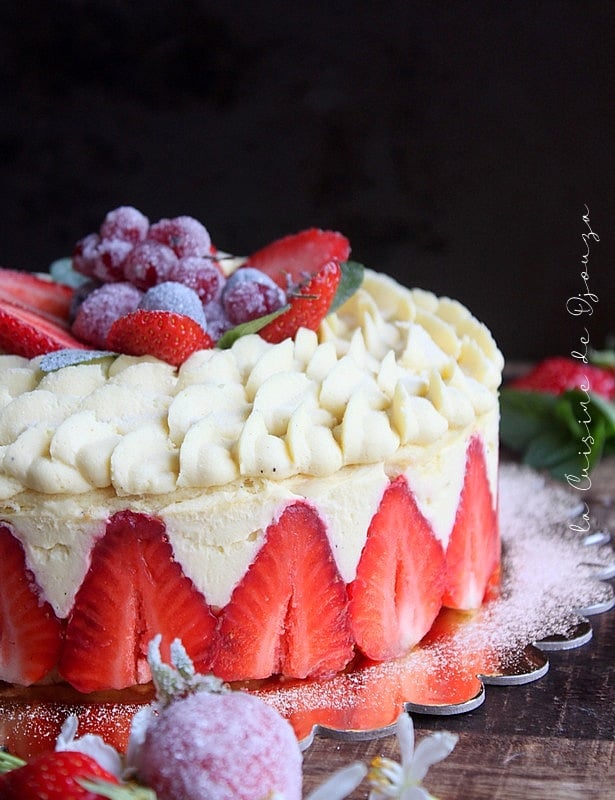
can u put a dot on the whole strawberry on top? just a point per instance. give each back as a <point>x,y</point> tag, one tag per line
<point>163,289</point>
<point>558,374</point>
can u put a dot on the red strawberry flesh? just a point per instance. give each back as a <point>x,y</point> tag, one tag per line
<point>397,592</point>
<point>300,255</point>
<point>27,333</point>
<point>289,613</point>
<point>307,308</point>
<point>133,590</point>
<point>29,629</point>
<point>473,552</point>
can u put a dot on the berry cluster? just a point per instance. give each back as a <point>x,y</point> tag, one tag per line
<point>169,266</point>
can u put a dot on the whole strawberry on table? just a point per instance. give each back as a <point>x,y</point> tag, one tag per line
<point>163,289</point>
<point>560,415</point>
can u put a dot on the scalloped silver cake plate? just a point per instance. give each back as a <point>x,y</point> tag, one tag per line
<point>465,652</point>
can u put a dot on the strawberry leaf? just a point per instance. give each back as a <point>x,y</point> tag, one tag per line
<point>565,434</point>
<point>252,326</point>
<point>351,280</point>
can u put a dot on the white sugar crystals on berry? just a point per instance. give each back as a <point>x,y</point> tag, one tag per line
<point>202,740</point>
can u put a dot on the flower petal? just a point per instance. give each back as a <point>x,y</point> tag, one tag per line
<point>340,784</point>
<point>430,750</point>
<point>405,736</point>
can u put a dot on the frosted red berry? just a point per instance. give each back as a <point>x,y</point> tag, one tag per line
<point>186,236</point>
<point>101,308</point>
<point>149,263</point>
<point>102,259</point>
<point>125,223</point>
<point>249,294</point>
<point>201,274</point>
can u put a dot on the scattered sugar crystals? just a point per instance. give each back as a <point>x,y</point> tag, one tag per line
<point>553,571</point>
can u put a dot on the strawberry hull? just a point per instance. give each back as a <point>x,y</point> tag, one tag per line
<point>290,613</point>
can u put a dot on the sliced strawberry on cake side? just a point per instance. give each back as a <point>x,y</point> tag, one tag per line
<point>308,306</point>
<point>133,590</point>
<point>297,256</point>
<point>473,551</point>
<point>29,630</point>
<point>397,592</point>
<point>289,614</point>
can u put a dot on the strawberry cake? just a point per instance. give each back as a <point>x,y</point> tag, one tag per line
<point>287,461</point>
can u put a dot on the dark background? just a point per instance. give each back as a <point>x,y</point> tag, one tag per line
<point>456,144</point>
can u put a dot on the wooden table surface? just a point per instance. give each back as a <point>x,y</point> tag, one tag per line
<point>552,739</point>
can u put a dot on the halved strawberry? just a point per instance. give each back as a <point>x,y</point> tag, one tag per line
<point>289,613</point>
<point>167,335</point>
<point>307,308</point>
<point>473,552</point>
<point>29,629</point>
<point>299,255</point>
<point>133,590</point>
<point>397,592</point>
<point>35,292</point>
<point>28,333</point>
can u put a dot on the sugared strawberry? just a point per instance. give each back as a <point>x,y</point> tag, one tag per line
<point>29,630</point>
<point>27,333</point>
<point>397,592</point>
<point>473,551</point>
<point>559,373</point>
<point>299,255</point>
<point>55,776</point>
<point>35,293</point>
<point>289,612</point>
<point>133,590</point>
<point>308,307</point>
<point>233,745</point>
<point>166,335</point>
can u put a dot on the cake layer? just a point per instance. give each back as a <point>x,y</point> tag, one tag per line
<point>356,464</point>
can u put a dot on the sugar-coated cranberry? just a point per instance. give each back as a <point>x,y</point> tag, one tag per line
<point>186,236</point>
<point>203,275</point>
<point>101,308</point>
<point>149,263</point>
<point>125,223</point>
<point>102,259</point>
<point>249,294</point>
<point>172,296</point>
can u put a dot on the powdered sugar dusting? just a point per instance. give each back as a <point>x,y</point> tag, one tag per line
<point>550,573</point>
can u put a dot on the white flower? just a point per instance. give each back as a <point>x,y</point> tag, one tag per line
<point>388,779</point>
<point>91,745</point>
<point>340,784</point>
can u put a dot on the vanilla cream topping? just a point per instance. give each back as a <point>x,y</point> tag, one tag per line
<point>392,367</point>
